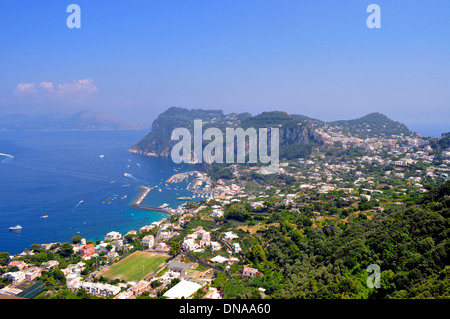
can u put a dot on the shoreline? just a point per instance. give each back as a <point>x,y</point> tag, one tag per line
<point>138,200</point>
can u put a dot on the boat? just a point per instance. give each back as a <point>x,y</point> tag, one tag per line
<point>164,205</point>
<point>184,198</point>
<point>44,217</point>
<point>17,227</point>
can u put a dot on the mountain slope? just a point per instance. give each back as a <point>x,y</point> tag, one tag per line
<point>372,125</point>
<point>158,142</point>
<point>368,126</point>
<point>84,120</point>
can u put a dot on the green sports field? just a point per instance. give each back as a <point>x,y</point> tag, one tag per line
<point>136,266</point>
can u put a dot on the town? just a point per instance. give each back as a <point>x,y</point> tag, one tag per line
<point>222,245</point>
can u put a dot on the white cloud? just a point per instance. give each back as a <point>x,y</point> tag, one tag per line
<point>46,91</point>
<point>85,86</point>
<point>46,85</point>
<point>25,89</point>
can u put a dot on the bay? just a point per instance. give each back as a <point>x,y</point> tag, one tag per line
<point>83,180</point>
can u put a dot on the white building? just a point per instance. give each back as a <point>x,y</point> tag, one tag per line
<point>183,289</point>
<point>113,235</point>
<point>189,244</point>
<point>97,289</point>
<point>16,276</point>
<point>249,272</point>
<point>230,236</point>
<point>217,213</point>
<point>148,241</point>
<point>215,246</point>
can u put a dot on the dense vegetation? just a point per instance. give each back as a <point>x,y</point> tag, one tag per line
<point>410,243</point>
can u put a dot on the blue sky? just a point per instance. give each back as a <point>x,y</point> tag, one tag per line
<point>134,59</point>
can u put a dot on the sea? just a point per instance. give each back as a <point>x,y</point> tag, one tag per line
<point>84,181</point>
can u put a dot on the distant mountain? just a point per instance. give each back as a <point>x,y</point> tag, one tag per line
<point>293,134</point>
<point>372,125</point>
<point>368,126</point>
<point>84,121</point>
<point>158,141</point>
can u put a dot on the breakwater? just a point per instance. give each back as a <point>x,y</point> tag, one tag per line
<point>138,200</point>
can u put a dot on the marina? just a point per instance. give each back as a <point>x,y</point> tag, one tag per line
<point>144,192</point>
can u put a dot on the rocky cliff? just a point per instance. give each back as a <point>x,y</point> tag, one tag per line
<point>158,142</point>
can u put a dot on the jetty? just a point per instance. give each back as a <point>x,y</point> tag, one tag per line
<point>138,200</point>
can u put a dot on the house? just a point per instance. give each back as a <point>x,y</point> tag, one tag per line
<point>140,287</point>
<point>250,272</point>
<point>161,247</point>
<point>148,241</point>
<point>87,250</point>
<point>113,235</point>
<point>145,228</point>
<point>291,196</point>
<point>230,236</point>
<point>256,205</point>
<point>112,255</point>
<point>117,244</point>
<point>213,293</point>
<point>219,259</point>
<point>50,264</point>
<point>19,264</point>
<point>167,234</point>
<point>237,248</point>
<point>189,244</point>
<point>216,213</point>
<point>215,246</point>
<point>16,276</point>
<point>32,273</point>
<point>168,276</point>
<point>98,289</point>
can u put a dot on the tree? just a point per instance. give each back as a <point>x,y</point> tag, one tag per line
<point>237,212</point>
<point>4,259</point>
<point>257,253</point>
<point>66,250</point>
<point>76,239</point>
<point>174,248</point>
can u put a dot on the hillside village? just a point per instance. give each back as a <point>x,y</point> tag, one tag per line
<point>204,243</point>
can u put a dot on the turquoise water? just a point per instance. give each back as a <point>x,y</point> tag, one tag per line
<point>77,179</point>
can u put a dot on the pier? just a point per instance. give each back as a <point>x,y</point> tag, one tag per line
<point>144,192</point>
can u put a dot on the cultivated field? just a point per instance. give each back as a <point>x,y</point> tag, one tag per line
<point>136,266</point>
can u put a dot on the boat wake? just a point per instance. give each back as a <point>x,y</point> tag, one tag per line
<point>132,177</point>
<point>79,203</point>
<point>8,158</point>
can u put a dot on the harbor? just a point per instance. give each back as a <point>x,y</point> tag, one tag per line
<point>138,201</point>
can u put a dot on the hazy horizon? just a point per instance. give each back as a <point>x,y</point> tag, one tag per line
<point>133,60</point>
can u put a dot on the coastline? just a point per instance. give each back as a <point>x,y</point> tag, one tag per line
<point>138,200</point>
